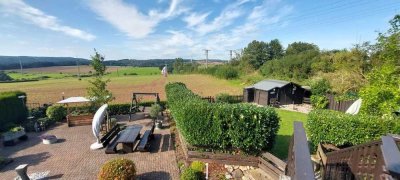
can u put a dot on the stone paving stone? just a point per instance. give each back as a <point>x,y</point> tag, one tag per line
<point>72,158</point>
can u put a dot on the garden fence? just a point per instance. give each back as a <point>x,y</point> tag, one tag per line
<point>338,105</point>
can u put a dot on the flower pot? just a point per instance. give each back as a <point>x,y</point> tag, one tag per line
<point>50,140</point>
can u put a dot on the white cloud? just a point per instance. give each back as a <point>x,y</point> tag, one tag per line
<point>41,19</point>
<point>128,19</point>
<point>194,19</point>
<point>224,19</point>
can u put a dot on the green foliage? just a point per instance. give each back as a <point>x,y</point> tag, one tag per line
<point>258,52</point>
<point>118,169</point>
<point>320,87</point>
<point>343,129</point>
<point>191,174</point>
<point>292,66</point>
<point>198,166</point>
<point>4,76</point>
<point>117,109</point>
<point>382,95</point>
<point>46,122</point>
<point>12,109</point>
<point>155,110</point>
<point>219,125</point>
<point>300,47</point>
<point>56,113</point>
<point>319,101</point>
<point>16,129</point>
<point>226,98</point>
<point>98,92</point>
<point>226,72</point>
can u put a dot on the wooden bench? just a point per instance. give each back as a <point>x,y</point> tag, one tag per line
<point>112,147</point>
<point>105,140</point>
<point>146,138</point>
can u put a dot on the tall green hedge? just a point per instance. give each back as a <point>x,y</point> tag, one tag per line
<point>220,125</point>
<point>12,109</point>
<point>343,129</point>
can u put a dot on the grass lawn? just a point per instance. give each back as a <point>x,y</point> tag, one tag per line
<point>286,131</point>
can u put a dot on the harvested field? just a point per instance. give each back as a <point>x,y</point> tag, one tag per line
<point>50,91</point>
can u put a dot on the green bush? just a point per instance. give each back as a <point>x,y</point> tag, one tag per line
<point>117,169</point>
<point>116,109</point>
<point>198,166</point>
<point>155,110</point>
<point>320,87</point>
<point>191,174</point>
<point>343,129</point>
<point>56,113</point>
<point>219,125</point>
<point>12,109</point>
<point>226,72</point>
<point>319,101</point>
<point>226,98</point>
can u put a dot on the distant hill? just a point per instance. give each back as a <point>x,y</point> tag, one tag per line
<point>12,62</point>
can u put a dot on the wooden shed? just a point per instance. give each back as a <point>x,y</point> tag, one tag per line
<point>274,92</point>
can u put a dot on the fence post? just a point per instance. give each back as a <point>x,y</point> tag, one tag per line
<point>391,156</point>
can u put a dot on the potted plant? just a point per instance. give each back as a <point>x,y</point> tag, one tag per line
<point>48,139</point>
<point>154,112</point>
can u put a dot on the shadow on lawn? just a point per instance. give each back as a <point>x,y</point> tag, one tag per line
<point>281,146</point>
<point>154,175</point>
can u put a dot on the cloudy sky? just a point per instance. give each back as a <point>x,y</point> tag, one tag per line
<point>144,29</point>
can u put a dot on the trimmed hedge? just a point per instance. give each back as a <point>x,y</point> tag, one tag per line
<point>12,110</point>
<point>226,98</point>
<point>115,109</point>
<point>343,129</point>
<point>220,125</point>
<point>117,169</point>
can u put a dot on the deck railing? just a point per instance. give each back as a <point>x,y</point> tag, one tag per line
<point>299,164</point>
<point>374,160</point>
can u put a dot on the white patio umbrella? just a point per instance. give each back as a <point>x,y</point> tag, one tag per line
<point>355,107</point>
<point>96,126</point>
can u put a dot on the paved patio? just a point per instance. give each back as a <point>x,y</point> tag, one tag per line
<point>71,158</point>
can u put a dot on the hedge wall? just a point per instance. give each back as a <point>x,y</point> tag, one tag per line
<point>115,109</point>
<point>12,110</point>
<point>219,125</point>
<point>343,129</point>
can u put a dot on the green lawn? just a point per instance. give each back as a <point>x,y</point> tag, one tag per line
<point>130,71</point>
<point>38,75</point>
<point>286,131</point>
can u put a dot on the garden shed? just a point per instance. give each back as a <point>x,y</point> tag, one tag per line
<point>275,92</point>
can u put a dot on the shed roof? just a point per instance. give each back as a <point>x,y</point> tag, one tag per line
<point>269,84</point>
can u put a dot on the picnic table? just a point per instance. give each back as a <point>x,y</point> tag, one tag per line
<point>128,137</point>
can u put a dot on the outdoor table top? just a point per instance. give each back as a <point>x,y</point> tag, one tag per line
<point>129,134</point>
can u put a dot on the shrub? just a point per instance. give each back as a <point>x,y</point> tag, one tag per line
<point>342,129</point>
<point>198,166</point>
<point>226,72</point>
<point>191,174</point>
<point>220,125</point>
<point>116,109</point>
<point>226,98</point>
<point>56,113</point>
<point>320,87</point>
<point>155,110</point>
<point>12,109</point>
<point>117,169</point>
<point>319,101</point>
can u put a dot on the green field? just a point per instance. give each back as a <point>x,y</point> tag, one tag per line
<point>286,131</point>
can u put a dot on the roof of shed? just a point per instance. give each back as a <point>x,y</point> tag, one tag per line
<point>269,84</point>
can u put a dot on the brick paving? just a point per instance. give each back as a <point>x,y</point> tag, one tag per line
<point>71,158</point>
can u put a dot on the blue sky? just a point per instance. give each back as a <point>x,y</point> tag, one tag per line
<point>144,29</point>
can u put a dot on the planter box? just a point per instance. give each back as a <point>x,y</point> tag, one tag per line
<point>80,120</point>
<point>10,136</point>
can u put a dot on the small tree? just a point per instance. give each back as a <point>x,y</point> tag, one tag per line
<point>97,91</point>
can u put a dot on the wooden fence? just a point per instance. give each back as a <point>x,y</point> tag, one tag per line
<point>374,160</point>
<point>338,105</point>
